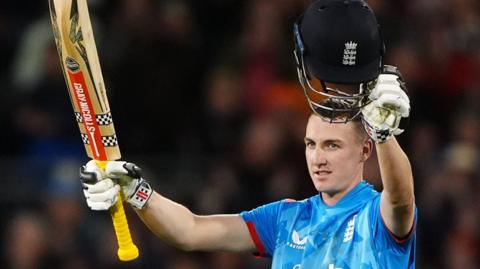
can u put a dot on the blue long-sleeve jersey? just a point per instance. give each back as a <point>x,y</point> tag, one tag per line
<point>310,234</point>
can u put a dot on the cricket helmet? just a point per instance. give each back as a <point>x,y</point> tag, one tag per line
<point>338,41</point>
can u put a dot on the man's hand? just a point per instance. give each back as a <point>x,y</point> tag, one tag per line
<point>101,188</point>
<point>389,104</point>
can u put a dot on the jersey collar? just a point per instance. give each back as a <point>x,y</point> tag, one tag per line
<point>356,197</point>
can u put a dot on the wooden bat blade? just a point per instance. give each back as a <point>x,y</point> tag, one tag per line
<point>81,68</point>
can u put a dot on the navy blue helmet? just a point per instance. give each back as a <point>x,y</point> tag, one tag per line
<point>338,41</point>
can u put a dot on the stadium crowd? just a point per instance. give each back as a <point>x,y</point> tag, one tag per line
<point>205,99</point>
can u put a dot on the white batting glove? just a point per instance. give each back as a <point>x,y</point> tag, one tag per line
<point>101,188</point>
<point>100,191</point>
<point>389,104</point>
<point>136,190</point>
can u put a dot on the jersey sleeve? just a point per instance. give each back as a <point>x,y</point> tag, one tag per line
<point>385,239</point>
<point>262,224</point>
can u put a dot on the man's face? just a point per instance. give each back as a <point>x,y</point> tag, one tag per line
<point>335,155</point>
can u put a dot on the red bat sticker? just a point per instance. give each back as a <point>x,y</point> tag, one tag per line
<point>84,103</point>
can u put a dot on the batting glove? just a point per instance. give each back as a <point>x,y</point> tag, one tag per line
<point>101,188</point>
<point>389,103</point>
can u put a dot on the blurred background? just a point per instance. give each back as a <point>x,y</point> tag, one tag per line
<point>205,99</point>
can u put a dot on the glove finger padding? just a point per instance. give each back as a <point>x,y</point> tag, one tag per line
<point>136,190</point>
<point>101,195</point>
<point>109,195</point>
<point>116,168</point>
<point>380,117</point>
<point>395,102</point>
<point>120,168</point>
<point>127,175</point>
<point>99,187</point>
<point>100,192</point>
<point>393,120</point>
<point>100,206</point>
<point>91,173</point>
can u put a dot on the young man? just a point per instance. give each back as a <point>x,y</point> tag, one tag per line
<point>349,224</point>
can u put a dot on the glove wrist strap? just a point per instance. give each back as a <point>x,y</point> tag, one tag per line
<point>379,136</point>
<point>141,195</point>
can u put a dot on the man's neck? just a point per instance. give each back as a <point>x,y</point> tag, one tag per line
<point>332,199</point>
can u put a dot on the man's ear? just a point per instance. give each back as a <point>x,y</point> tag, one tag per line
<point>367,149</point>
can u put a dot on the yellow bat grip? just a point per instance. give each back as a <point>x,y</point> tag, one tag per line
<point>127,251</point>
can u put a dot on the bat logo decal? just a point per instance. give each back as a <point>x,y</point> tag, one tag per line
<point>72,65</point>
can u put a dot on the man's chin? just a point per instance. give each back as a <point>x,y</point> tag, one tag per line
<point>323,185</point>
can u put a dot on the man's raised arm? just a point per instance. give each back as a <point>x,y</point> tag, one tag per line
<point>389,103</point>
<point>397,201</point>
<point>170,221</point>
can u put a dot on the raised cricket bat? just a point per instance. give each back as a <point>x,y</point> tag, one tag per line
<point>81,68</point>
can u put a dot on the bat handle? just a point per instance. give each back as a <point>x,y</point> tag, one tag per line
<point>127,251</point>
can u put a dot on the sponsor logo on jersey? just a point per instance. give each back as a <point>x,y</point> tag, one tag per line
<point>297,242</point>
